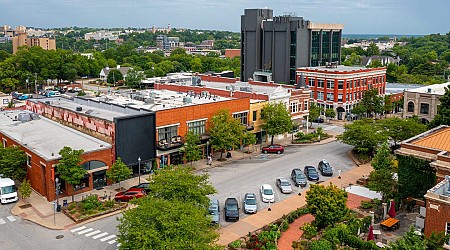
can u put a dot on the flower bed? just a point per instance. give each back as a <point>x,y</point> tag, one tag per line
<point>91,207</point>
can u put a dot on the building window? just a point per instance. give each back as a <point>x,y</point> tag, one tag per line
<point>255,113</point>
<point>198,127</point>
<point>311,95</point>
<point>330,97</point>
<point>320,83</point>
<point>84,183</point>
<point>305,106</point>
<point>91,165</point>
<point>167,132</point>
<point>330,84</point>
<point>340,84</point>
<point>241,117</point>
<point>294,107</point>
<point>320,95</point>
<point>339,97</point>
<point>348,84</point>
<point>424,108</point>
<point>447,228</point>
<point>311,82</point>
<point>410,107</point>
<point>29,160</point>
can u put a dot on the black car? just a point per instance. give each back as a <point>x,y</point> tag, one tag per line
<point>144,185</point>
<point>231,209</point>
<point>318,120</point>
<point>325,168</point>
<point>311,173</point>
<point>298,177</point>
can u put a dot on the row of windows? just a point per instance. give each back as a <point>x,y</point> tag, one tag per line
<point>424,108</point>
<point>350,83</point>
<point>349,97</point>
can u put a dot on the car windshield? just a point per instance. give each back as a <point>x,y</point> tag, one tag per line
<point>285,183</point>
<point>213,210</point>
<point>250,201</point>
<point>268,191</point>
<point>326,166</point>
<point>300,176</point>
<point>7,190</point>
<point>312,171</point>
<point>232,206</point>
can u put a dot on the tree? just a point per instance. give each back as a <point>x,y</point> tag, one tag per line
<point>443,115</point>
<point>134,78</point>
<point>359,109</point>
<point>114,76</point>
<point>69,167</point>
<point>248,139</point>
<point>363,135</point>
<point>383,158</point>
<point>314,112</point>
<point>388,106</point>
<point>327,204</point>
<point>118,172</point>
<point>397,129</point>
<point>372,102</point>
<point>411,240</point>
<point>353,59</point>
<point>191,151</point>
<point>12,163</point>
<point>225,131</point>
<point>25,189</point>
<point>372,50</point>
<point>381,179</point>
<point>277,119</point>
<point>330,114</point>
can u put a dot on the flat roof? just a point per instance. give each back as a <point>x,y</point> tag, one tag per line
<point>247,87</point>
<point>45,137</point>
<point>437,89</point>
<point>338,68</point>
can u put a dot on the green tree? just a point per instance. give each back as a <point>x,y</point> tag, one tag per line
<point>25,189</point>
<point>314,112</point>
<point>69,166</point>
<point>191,151</point>
<point>381,179</point>
<point>321,244</point>
<point>359,109</point>
<point>383,158</point>
<point>375,64</point>
<point>118,172</point>
<point>411,240</point>
<point>372,102</point>
<point>388,106</point>
<point>398,130</point>
<point>353,59</point>
<point>12,162</point>
<point>134,79</point>
<point>114,76</point>
<point>372,50</point>
<point>363,135</point>
<point>327,204</point>
<point>248,139</point>
<point>277,119</point>
<point>330,114</point>
<point>225,131</point>
<point>443,115</point>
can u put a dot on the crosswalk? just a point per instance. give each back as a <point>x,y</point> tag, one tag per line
<point>96,234</point>
<point>7,219</point>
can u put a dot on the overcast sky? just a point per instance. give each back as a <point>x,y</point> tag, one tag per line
<point>358,16</point>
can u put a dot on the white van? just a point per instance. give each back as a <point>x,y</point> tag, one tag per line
<point>8,191</point>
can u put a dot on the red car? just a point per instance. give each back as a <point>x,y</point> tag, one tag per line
<point>273,149</point>
<point>130,194</point>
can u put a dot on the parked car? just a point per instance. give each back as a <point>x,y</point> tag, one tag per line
<point>311,173</point>
<point>214,211</point>
<point>130,194</point>
<point>325,168</point>
<point>284,185</point>
<point>16,94</point>
<point>319,120</point>
<point>298,177</point>
<point>143,185</point>
<point>53,93</point>
<point>231,210</point>
<point>24,97</point>
<point>267,193</point>
<point>273,149</point>
<point>250,206</point>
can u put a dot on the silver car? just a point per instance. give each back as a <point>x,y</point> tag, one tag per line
<point>250,206</point>
<point>284,185</point>
<point>214,211</point>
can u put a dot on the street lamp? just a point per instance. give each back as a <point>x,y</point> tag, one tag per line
<point>207,148</point>
<point>35,85</point>
<point>139,161</point>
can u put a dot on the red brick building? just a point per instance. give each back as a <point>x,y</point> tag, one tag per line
<point>340,87</point>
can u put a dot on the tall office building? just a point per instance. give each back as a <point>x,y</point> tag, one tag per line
<point>272,48</point>
<point>21,39</point>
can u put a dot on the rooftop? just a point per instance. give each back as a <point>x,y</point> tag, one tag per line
<point>438,89</point>
<point>440,140</point>
<point>335,68</point>
<point>442,188</point>
<point>45,137</point>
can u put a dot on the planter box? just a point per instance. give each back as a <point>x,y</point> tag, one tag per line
<point>66,211</point>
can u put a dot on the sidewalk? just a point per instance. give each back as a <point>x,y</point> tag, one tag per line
<point>42,212</point>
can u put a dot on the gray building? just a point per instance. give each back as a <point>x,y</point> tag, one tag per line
<point>272,48</point>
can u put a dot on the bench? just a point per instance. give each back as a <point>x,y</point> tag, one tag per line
<point>390,223</point>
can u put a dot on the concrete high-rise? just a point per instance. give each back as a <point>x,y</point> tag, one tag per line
<point>272,48</point>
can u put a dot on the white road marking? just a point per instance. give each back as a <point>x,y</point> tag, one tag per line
<point>77,229</point>
<point>2,221</point>
<point>99,235</point>
<point>107,238</point>
<point>92,233</point>
<point>111,242</point>
<point>11,218</point>
<point>118,245</point>
<point>86,230</point>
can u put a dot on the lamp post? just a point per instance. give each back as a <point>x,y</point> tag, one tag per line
<point>35,84</point>
<point>139,161</point>
<point>207,148</point>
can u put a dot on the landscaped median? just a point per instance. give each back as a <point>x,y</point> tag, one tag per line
<point>91,207</point>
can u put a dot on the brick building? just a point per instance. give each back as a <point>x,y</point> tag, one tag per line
<point>438,208</point>
<point>41,139</point>
<point>340,87</point>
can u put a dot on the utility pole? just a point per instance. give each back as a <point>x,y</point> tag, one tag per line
<point>35,85</point>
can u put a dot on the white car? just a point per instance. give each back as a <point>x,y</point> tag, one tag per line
<point>267,194</point>
<point>284,185</point>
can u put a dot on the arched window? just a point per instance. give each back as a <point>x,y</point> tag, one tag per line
<point>90,165</point>
<point>410,107</point>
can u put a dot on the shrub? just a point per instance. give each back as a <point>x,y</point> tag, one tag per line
<point>90,203</point>
<point>366,205</point>
<point>235,244</point>
<point>72,206</point>
<point>109,203</point>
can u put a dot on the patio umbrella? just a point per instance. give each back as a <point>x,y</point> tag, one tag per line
<point>392,209</point>
<point>370,236</point>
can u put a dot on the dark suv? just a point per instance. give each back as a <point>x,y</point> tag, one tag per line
<point>298,177</point>
<point>325,168</point>
<point>231,209</point>
<point>311,173</point>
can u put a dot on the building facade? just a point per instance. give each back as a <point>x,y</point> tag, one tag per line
<point>437,217</point>
<point>340,87</point>
<point>279,45</point>
<point>21,39</point>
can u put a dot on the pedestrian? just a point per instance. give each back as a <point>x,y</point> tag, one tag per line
<point>339,173</point>
<point>209,160</point>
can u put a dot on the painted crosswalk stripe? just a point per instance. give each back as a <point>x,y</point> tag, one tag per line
<point>85,231</point>
<point>77,229</point>
<point>118,245</point>
<point>92,233</point>
<point>11,218</point>
<point>2,221</point>
<point>107,238</point>
<point>99,235</point>
<point>111,242</point>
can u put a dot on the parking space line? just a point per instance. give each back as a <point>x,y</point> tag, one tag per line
<point>2,221</point>
<point>107,238</point>
<point>100,235</point>
<point>112,242</point>
<point>92,233</point>
<point>86,230</point>
<point>11,218</point>
<point>77,229</point>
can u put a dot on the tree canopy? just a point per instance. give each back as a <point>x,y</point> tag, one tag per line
<point>381,179</point>
<point>191,151</point>
<point>443,115</point>
<point>225,131</point>
<point>362,135</point>
<point>118,171</point>
<point>69,167</point>
<point>277,119</point>
<point>12,163</point>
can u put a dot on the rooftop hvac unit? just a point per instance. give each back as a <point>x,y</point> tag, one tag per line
<point>196,80</point>
<point>187,99</point>
<point>34,116</point>
<point>79,109</point>
<point>24,117</point>
<point>191,92</point>
<point>205,93</point>
<point>149,101</point>
<point>246,89</point>
<point>230,87</point>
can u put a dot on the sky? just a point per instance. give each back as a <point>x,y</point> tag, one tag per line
<point>404,17</point>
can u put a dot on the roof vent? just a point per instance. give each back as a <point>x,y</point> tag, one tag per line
<point>24,117</point>
<point>187,99</point>
<point>79,109</point>
<point>429,90</point>
<point>34,116</point>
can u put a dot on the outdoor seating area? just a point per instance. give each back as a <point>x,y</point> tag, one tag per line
<point>390,224</point>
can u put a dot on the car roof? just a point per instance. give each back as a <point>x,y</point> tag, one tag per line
<point>310,167</point>
<point>282,179</point>
<point>134,190</point>
<point>297,170</point>
<point>231,199</point>
<point>250,195</point>
<point>324,161</point>
<point>266,186</point>
<point>214,201</point>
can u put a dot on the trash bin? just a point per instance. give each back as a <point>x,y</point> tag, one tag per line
<point>58,208</point>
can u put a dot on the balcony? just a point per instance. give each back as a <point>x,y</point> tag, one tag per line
<point>175,142</point>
